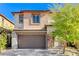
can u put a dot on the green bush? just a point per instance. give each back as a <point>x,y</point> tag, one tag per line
<point>77,44</point>
<point>3,40</point>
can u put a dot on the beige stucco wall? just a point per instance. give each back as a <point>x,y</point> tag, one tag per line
<point>28,25</point>
<point>17,25</point>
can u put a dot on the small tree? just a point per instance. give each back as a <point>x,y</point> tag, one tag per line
<point>66,22</point>
<point>3,40</point>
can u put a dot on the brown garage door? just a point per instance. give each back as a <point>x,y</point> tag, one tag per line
<point>31,41</point>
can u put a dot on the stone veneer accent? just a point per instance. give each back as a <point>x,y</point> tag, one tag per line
<point>14,41</point>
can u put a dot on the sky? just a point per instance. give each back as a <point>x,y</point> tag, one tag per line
<point>7,8</point>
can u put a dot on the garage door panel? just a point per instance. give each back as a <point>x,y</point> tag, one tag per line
<point>31,41</point>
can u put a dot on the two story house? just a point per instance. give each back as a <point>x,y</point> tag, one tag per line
<point>31,29</point>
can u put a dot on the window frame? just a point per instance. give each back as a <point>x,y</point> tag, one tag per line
<point>35,21</point>
<point>21,17</point>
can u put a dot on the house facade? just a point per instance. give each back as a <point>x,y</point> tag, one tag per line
<point>31,29</point>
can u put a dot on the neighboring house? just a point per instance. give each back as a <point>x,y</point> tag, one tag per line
<point>6,25</point>
<point>31,29</point>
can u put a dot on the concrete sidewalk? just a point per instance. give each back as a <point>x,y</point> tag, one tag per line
<point>31,52</point>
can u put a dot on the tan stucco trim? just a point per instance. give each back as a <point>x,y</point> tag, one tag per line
<point>29,31</point>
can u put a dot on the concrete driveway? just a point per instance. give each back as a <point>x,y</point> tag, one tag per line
<point>31,52</point>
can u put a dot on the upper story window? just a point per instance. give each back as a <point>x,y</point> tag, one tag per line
<point>21,18</point>
<point>36,18</point>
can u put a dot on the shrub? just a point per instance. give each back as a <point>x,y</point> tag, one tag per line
<point>3,40</point>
